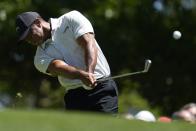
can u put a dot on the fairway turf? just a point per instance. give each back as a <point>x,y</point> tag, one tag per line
<point>16,120</point>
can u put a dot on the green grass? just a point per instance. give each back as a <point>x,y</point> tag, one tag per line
<point>17,120</point>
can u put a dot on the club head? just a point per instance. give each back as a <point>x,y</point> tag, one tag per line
<point>147,65</point>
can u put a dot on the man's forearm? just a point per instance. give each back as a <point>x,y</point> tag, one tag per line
<point>87,41</point>
<point>59,68</point>
<point>91,57</point>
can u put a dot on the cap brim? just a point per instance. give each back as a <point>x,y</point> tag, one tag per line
<point>24,35</point>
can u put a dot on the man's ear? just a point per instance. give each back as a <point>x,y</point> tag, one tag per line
<point>38,22</point>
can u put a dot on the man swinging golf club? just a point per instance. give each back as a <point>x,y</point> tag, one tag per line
<point>66,48</point>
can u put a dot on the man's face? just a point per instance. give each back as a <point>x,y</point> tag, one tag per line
<point>35,35</point>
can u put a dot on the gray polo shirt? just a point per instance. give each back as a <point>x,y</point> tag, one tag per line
<point>63,46</point>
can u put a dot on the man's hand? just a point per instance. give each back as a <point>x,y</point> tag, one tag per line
<point>88,79</point>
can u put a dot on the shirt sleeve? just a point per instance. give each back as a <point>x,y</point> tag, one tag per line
<point>80,24</point>
<point>42,61</point>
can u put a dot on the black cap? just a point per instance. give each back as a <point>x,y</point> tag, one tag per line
<point>24,22</point>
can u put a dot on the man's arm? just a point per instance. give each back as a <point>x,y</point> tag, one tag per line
<point>87,41</point>
<point>58,67</point>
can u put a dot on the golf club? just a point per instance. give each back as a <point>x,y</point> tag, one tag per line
<point>145,70</point>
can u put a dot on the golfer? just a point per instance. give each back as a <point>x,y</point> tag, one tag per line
<point>67,49</point>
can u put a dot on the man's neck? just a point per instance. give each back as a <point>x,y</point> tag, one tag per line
<point>47,30</point>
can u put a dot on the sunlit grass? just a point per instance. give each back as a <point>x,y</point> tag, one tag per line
<point>18,120</point>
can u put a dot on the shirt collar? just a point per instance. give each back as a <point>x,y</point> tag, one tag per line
<point>54,25</point>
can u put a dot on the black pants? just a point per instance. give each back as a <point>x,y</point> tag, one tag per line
<point>103,98</point>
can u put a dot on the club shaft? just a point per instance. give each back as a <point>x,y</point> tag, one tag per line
<point>113,77</point>
<point>119,76</point>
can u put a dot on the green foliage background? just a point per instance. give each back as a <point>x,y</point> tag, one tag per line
<point>128,31</point>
